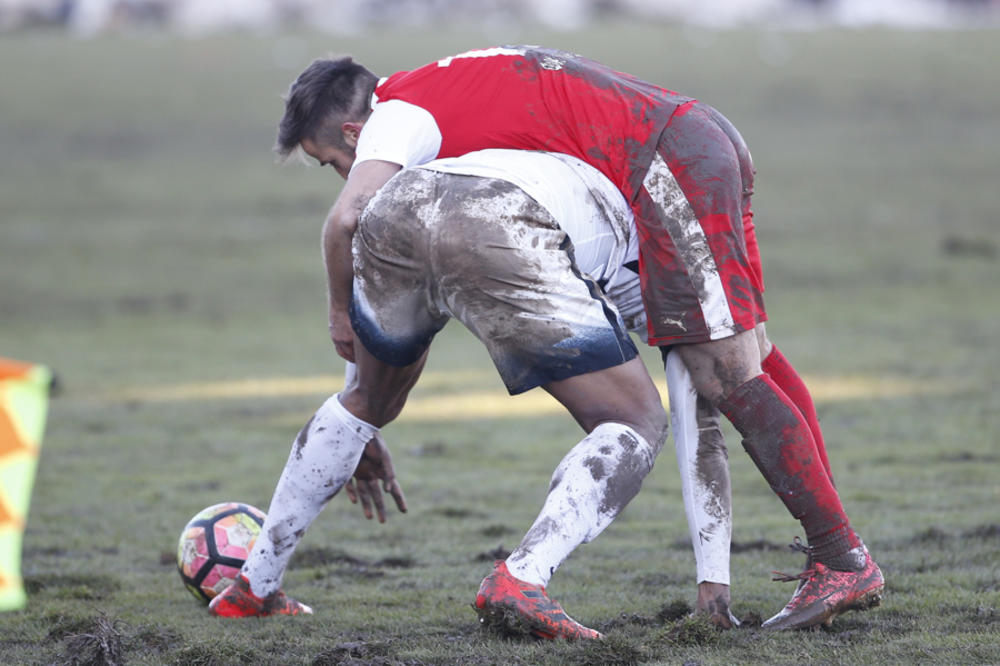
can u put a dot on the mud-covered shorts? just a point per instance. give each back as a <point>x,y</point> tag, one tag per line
<point>431,246</point>
<point>700,264</point>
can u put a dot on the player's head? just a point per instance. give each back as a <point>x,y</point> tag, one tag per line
<point>327,94</point>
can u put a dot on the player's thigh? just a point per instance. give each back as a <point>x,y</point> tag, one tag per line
<point>392,311</point>
<point>623,394</point>
<point>505,270</point>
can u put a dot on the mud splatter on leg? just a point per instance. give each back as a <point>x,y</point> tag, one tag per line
<point>702,458</point>
<point>323,458</point>
<point>591,486</point>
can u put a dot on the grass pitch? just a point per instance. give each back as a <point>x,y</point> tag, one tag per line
<point>153,254</point>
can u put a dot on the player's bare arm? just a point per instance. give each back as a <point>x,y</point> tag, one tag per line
<point>338,231</point>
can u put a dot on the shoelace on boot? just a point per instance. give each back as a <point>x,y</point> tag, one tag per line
<point>806,574</point>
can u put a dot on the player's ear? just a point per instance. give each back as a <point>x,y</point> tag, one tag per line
<point>350,131</point>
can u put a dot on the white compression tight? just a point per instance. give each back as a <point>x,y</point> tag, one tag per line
<point>591,486</point>
<point>703,462</point>
<point>323,458</point>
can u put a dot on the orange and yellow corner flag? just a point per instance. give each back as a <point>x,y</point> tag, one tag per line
<point>24,397</point>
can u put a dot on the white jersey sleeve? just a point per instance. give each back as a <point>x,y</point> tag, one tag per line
<point>399,132</point>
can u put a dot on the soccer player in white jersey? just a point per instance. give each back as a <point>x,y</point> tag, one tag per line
<point>486,239</point>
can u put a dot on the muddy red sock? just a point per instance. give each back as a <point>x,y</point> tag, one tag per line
<point>789,381</point>
<point>779,442</point>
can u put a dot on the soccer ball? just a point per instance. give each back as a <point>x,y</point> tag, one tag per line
<point>215,544</point>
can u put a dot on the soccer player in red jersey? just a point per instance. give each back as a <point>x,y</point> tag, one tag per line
<point>688,176</point>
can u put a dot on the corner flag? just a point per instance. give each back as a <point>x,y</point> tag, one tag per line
<point>24,396</point>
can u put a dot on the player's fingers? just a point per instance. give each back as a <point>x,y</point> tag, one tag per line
<point>351,493</point>
<point>376,495</point>
<point>396,490</point>
<point>366,500</point>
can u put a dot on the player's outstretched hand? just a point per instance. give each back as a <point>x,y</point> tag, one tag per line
<point>375,466</point>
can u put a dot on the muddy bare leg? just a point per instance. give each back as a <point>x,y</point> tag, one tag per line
<point>620,410</point>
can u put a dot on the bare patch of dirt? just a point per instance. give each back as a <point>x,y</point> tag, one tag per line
<point>357,653</point>
<point>932,535</point>
<point>627,620</point>
<point>983,532</point>
<point>498,553</point>
<point>495,531</point>
<point>758,544</point>
<point>399,562</point>
<point>318,556</point>
<point>965,456</point>
<point>452,512</point>
<point>673,611</point>
<point>95,587</point>
<point>978,248</point>
<point>343,562</point>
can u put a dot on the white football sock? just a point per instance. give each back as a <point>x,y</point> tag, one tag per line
<point>323,458</point>
<point>591,486</point>
<point>703,463</point>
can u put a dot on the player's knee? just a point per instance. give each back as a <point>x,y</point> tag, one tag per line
<point>653,418</point>
<point>378,410</point>
<point>763,342</point>
<point>651,442</point>
<point>650,420</point>
<point>720,366</point>
<point>658,426</point>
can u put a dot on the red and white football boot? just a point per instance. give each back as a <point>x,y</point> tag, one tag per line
<point>501,594</point>
<point>238,600</point>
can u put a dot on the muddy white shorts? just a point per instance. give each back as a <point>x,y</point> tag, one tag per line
<point>433,245</point>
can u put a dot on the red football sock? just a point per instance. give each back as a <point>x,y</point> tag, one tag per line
<point>779,442</point>
<point>789,381</point>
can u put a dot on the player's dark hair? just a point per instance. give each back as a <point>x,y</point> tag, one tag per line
<point>336,89</point>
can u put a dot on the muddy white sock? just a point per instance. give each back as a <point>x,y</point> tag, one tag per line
<point>323,458</point>
<point>591,486</point>
<point>703,461</point>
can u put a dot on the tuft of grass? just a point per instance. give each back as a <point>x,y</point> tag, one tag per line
<point>688,631</point>
<point>212,653</point>
<point>100,644</point>
<point>612,650</point>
